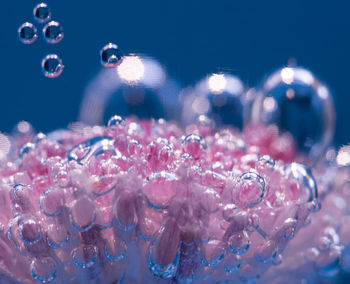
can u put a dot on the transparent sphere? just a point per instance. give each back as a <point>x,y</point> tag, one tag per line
<point>138,86</point>
<point>297,102</point>
<point>27,33</point>
<point>53,32</point>
<point>219,97</point>
<point>42,13</point>
<point>110,55</point>
<point>52,66</point>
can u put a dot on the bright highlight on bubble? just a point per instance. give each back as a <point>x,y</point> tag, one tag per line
<point>343,156</point>
<point>217,83</point>
<point>131,70</point>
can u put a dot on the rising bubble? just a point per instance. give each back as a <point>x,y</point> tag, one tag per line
<point>53,32</point>
<point>27,33</point>
<point>42,13</point>
<point>110,55</point>
<point>52,66</point>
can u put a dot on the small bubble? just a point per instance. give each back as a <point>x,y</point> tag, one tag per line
<point>42,13</point>
<point>44,269</point>
<point>25,149</point>
<point>27,33</point>
<point>52,66</point>
<point>85,256</point>
<point>239,243</point>
<point>53,32</point>
<point>110,55</point>
<point>115,120</point>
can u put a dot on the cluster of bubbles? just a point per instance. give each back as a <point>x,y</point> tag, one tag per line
<point>292,98</point>
<point>139,200</point>
<point>51,64</point>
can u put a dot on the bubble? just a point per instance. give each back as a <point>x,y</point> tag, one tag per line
<point>115,251</point>
<point>213,253</point>
<point>297,102</point>
<point>85,256</point>
<point>239,243</point>
<point>26,148</point>
<point>110,55</point>
<point>96,146</point>
<point>115,120</point>
<point>52,66</point>
<point>27,33</point>
<point>139,87</point>
<point>42,13</point>
<point>194,145</point>
<point>57,236</point>
<point>30,232</point>
<point>306,182</point>
<point>164,271</point>
<point>252,189</point>
<point>51,201</point>
<point>83,214</point>
<point>219,97</point>
<point>53,32</point>
<point>44,269</point>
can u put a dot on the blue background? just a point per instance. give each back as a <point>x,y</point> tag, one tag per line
<point>191,38</point>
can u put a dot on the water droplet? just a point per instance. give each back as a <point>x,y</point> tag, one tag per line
<point>44,269</point>
<point>219,97</point>
<point>251,189</point>
<point>27,33</point>
<point>85,256</point>
<point>53,32</point>
<point>239,243</point>
<point>52,66</point>
<point>42,13</point>
<point>306,182</point>
<point>297,102</point>
<point>110,55</point>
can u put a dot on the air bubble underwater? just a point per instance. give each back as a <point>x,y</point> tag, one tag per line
<point>53,32</point>
<point>27,33</point>
<point>110,55</point>
<point>296,101</point>
<point>139,86</point>
<point>42,13</point>
<point>52,66</point>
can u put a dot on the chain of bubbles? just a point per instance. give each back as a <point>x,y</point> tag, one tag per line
<point>51,64</point>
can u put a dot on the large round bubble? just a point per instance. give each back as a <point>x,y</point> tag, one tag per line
<point>138,86</point>
<point>219,97</point>
<point>297,102</point>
